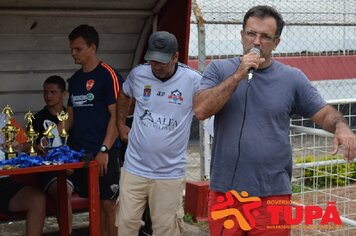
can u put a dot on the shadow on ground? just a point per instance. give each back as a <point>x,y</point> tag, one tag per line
<point>80,227</point>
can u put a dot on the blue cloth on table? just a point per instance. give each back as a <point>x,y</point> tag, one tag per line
<point>58,155</point>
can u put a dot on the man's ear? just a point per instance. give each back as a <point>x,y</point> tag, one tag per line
<point>176,56</point>
<point>65,93</point>
<point>276,42</point>
<point>93,46</point>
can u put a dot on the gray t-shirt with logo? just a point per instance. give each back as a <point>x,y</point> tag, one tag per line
<point>251,149</point>
<point>162,118</point>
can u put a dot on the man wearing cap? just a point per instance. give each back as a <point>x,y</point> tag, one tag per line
<point>155,159</point>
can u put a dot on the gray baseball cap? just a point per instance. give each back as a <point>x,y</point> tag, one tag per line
<point>161,47</point>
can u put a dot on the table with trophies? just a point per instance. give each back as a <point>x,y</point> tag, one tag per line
<point>59,159</point>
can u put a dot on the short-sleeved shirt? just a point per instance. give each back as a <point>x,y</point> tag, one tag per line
<point>251,149</point>
<point>162,118</point>
<point>90,94</point>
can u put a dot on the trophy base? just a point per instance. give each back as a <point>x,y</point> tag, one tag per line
<point>48,149</point>
<point>64,140</point>
<point>10,155</point>
<point>31,154</point>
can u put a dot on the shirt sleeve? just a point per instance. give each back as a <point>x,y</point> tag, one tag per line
<point>308,98</point>
<point>128,84</point>
<point>112,84</point>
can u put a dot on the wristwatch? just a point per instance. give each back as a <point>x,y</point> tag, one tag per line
<point>104,149</point>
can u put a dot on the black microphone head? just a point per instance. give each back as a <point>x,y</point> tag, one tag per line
<point>256,50</point>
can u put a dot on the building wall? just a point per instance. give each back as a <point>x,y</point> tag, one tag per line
<point>34,44</point>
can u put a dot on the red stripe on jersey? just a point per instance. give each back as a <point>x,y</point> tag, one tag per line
<point>113,77</point>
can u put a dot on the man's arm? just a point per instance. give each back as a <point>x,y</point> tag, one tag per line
<point>111,130</point>
<point>110,137</point>
<point>68,122</point>
<point>123,105</point>
<point>331,120</point>
<point>209,101</point>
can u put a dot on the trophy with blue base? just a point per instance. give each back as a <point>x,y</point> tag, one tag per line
<point>49,137</point>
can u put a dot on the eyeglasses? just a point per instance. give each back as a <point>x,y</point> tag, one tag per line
<point>265,38</point>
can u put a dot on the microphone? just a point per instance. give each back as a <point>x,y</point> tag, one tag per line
<point>251,70</point>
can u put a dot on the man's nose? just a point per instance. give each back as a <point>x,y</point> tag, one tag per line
<point>257,40</point>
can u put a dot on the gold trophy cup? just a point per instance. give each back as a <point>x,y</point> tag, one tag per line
<point>31,134</point>
<point>62,117</point>
<point>9,131</point>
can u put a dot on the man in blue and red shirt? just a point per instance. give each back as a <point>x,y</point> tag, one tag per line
<point>93,90</point>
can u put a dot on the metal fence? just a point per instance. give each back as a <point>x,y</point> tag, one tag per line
<point>320,178</point>
<point>319,27</point>
<point>313,28</point>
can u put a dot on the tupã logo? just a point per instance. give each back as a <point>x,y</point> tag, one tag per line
<point>221,210</point>
<point>327,219</point>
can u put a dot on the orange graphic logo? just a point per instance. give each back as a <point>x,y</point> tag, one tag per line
<point>221,210</point>
<point>275,208</point>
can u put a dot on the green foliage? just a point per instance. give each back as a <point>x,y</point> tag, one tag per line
<point>296,189</point>
<point>188,218</point>
<point>329,175</point>
<point>306,159</point>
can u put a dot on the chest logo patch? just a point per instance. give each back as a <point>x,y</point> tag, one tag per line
<point>161,93</point>
<point>176,97</point>
<point>147,92</point>
<point>158,122</point>
<point>90,84</point>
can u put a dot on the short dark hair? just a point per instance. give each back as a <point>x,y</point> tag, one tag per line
<point>56,79</point>
<point>263,11</point>
<point>87,32</point>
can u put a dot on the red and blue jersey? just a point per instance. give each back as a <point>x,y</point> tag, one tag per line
<point>90,94</point>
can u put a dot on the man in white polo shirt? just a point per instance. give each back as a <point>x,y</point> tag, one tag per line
<point>155,159</point>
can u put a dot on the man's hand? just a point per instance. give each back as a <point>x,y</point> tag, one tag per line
<point>345,137</point>
<point>124,133</point>
<point>40,150</point>
<point>102,159</point>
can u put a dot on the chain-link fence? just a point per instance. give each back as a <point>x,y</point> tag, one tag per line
<point>313,28</point>
<point>319,27</point>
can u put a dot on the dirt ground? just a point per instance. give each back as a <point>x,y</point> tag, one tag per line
<point>345,198</point>
<point>81,220</point>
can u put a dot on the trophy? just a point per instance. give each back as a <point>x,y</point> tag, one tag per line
<point>9,131</point>
<point>31,134</point>
<point>62,117</point>
<point>49,136</point>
